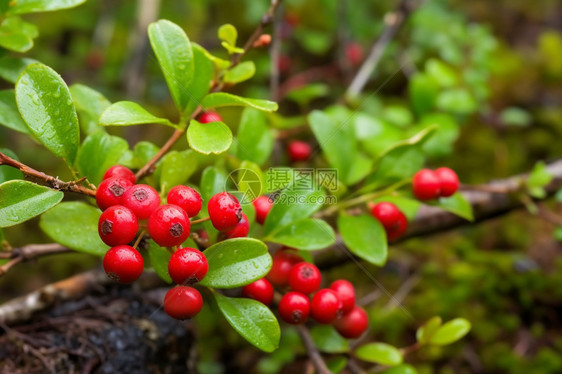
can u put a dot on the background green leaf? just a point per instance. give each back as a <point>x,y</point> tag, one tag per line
<point>379,353</point>
<point>159,258</point>
<point>8,173</point>
<point>455,204</point>
<point>9,114</point>
<point>98,153</point>
<point>365,237</point>
<point>16,34</point>
<point>203,72</point>
<point>255,139</point>
<point>12,67</point>
<point>89,104</point>
<point>327,339</point>
<point>425,332</point>
<point>206,138</point>
<point>450,332</point>
<point>176,168</point>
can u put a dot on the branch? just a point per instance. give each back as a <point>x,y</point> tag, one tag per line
<point>29,252</point>
<point>313,352</point>
<point>392,22</point>
<point>45,179</point>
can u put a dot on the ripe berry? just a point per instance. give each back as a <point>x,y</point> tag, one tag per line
<point>326,306</point>
<point>294,308</point>
<point>392,219</point>
<point>207,117</point>
<point>225,211</point>
<point>399,229</point>
<point>426,185</point>
<point>261,290</point>
<point>188,265</point>
<point>111,190</point>
<point>142,200</point>
<point>262,205</point>
<point>117,225</point>
<point>169,225</point>
<point>305,278</point>
<point>182,302</point>
<point>346,294</point>
<point>299,151</point>
<point>354,53</point>
<point>241,230</point>
<point>186,198</point>
<point>449,181</point>
<point>353,324</point>
<point>123,264</point>
<point>283,262</point>
<point>121,172</point>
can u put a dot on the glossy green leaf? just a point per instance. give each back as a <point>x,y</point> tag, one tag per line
<point>253,320</point>
<point>337,364</point>
<point>203,73</point>
<point>426,332</point>
<point>75,225</point>
<point>159,258</point>
<point>365,237</point>
<point>12,67</point>
<point>176,168</point>
<point>219,99</point>
<point>423,93</point>
<point>327,339</point>
<point>379,353</point>
<point>175,56</point>
<point>98,153</point>
<point>9,114</point>
<point>240,73</point>
<point>401,369</point>
<point>16,34</point>
<point>33,6</point>
<point>308,234</point>
<point>450,332</point>
<point>228,33</point>
<point>255,139</point>
<point>213,181</point>
<point>207,138</point>
<point>144,151</point>
<point>456,204</point>
<point>236,263</point>
<point>8,173</point>
<point>46,106</point>
<point>126,113</point>
<point>22,200</point>
<point>90,104</point>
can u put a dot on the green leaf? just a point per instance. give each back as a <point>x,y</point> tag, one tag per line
<point>408,206</point>
<point>442,73</point>
<point>250,181</point>
<point>337,364</point>
<point>213,181</point>
<point>457,100</point>
<point>90,104</point>
<point>12,67</point>
<point>308,234</point>
<point>327,339</point>
<point>22,200</point>
<point>514,116</point>
<point>426,332</point>
<point>220,99</point>
<point>365,237</point>
<point>16,34</point>
<point>75,225</point>
<point>253,320</point>
<point>159,258</point>
<point>456,204</point>
<point>538,179</point>
<point>9,114</point>
<point>98,153</point>
<point>228,33</point>
<point>240,73</point>
<point>33,6</point>
<point>8,173</point>
<point>126,113</point>
<point>379,353</point>
<point>305,94</point>
<point>450,332</point>
<point>398,115</point>
<point>292,205</point>
<point>207,138</point>
<point>45,104</point>
<point>399,164</point>
<point>255,139</point>
<point>236,263</point>
<point>445,131</point>
<point>175,56</point>
<point>203,72</point>
<point>144,151</point>
<point>176,168</point>
<point>401,369</point>
<point>423,93</point>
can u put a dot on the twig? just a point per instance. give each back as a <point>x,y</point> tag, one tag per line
<point>45,179</point>
<point>29,252</point>
<point>392,21</point>
<point>549,215</point>
<point>196,221</point>
<point>313,352</point>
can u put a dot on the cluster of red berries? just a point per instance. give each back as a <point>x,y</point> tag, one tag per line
<point>430,184</point>
<point>335,305</point>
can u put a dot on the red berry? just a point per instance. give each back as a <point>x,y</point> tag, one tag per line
<point>188,265</point>
<point>283,262</point>
<point>346,294</point>
<point>225,211</point>
<point>142,200</point>
<point>207,117</point>
<point>299,151</point>
<point>426,184</point>
<point>111,191</point>
<point>354,53</point>
<point>305,278</point>
<point>399,229</point>
<point>123,264</point>
<point>449,181</point>
<point>117,225</point>
<point>262,205</point>
<point>182,302</point>
<point>261,290</point>
<point>353,324</point>
<point>121,172</point>
<point>392,219</point>
<point>294,308</point>
<point>326,306</point>
<point>169,225</point>
<point>241,230</point>
<point>186,198</point>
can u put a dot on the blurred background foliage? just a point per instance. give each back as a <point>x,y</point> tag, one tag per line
<point>488,72</point>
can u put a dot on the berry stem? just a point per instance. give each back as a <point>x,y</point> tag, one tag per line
<point>139,238</point>
<point>313,353</point>
<point>196,221</point>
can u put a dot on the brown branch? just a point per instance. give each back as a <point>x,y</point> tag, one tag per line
<point>29,252</point>
<point>45,179</point>
<point>313,352</point>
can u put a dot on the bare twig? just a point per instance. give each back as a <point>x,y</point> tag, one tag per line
<point>29,252</point>
<point>313,352</point>
<point>549,215</point>
<point>45,179</point>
